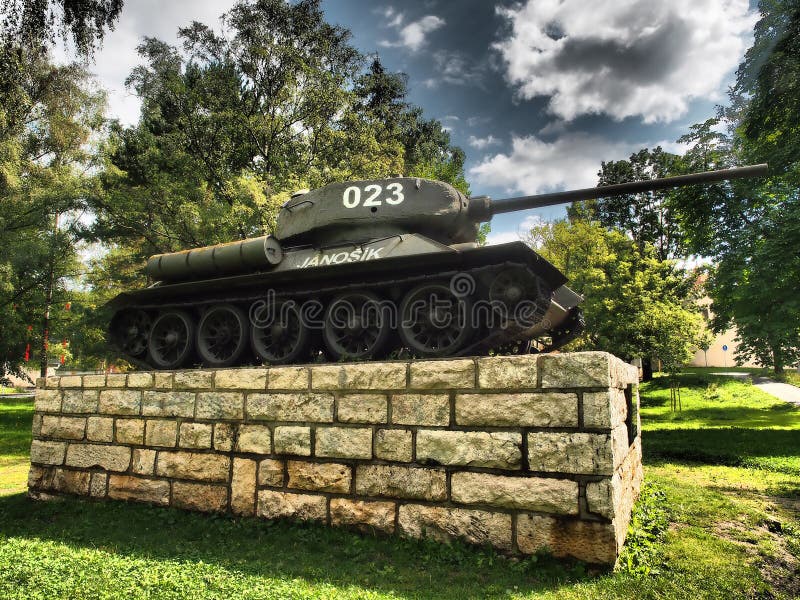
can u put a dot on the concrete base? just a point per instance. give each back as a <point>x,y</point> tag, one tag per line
<point>524,453</point>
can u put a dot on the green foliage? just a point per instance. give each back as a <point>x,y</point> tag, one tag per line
<point>635,304</point>
<point>35,23</point>
<point>647,217</point>
<point>233,123</point>
<point>755,287</point>
<point>767,90</point>
<point>750,228</point>
<point>649,524</point>
<point>15,430</point>
<point>49,114</point>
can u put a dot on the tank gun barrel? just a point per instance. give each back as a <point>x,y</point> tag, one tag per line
<point>485,207</point>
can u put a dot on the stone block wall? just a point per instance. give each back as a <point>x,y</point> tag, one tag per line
<point>519,452</point>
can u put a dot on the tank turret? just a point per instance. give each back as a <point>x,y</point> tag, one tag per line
<point>397,257</point>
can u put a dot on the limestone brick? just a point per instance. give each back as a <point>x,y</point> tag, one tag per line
<point>309,407</point>
<point>293,439</point>
<point>443,374</point>
<point>500,450</point>
<point>362,408</point>
<point>320,477</point>
<point>304,507</point>
<point>515,410</point>
<point>420,409</point>
<point>398,481</point>
<point>343,442</point>
<point>445,524</point>
<point>364,515</point>
<point>508,372</point>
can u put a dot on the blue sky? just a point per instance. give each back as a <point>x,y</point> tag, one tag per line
<point>536,92</point>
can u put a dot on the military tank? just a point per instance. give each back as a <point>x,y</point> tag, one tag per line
<point>359,270</point>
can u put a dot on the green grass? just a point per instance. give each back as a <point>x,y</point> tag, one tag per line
<point>701,530</point>
<point>15,442</point>
<point>791,377</point>
<point>13,390</point>
<point>724,421</point>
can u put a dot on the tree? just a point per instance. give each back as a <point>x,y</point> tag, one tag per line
<point>54,113</point>
<point>767,90</point>
<point>754,287</point>
<point>635,305</point>
<point>34,24</point>
<point>749,227</point>
<point>233,123</point>
<point>427,151</point>
<point>647,217</point>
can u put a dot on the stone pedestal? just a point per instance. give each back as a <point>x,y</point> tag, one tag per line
<point>520,452</point>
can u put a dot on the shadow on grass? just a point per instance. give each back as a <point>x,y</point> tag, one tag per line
<point>690,379</point>
<point>282,550</point>
<point>708,402</point>
<point>771,449</point>
<point>779,415</point>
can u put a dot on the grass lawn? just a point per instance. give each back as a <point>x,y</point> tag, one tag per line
<point>720,519</point>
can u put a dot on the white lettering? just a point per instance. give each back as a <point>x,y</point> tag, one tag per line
<point>336,258</point>
<point>351,197</point>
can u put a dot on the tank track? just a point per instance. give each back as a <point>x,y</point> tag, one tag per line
<point>483,340</point>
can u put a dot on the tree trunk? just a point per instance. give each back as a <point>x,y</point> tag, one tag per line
<point>777,360</point>
<point>48,300</point>
<point>647,369</point>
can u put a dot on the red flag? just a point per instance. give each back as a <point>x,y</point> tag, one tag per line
<point>27,353</point>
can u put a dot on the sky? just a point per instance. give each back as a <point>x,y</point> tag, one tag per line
<point>536,92</point>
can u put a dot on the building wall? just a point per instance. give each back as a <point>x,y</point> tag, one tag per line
<point>715,356</point>
<point>520,453</point>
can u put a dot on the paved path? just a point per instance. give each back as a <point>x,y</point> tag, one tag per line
<point>733,374</point>
<point>784,391</point>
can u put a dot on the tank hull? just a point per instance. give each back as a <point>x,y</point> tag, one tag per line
<point>388,269</point>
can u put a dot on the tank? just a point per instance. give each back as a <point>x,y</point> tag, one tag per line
<point>359,270</point>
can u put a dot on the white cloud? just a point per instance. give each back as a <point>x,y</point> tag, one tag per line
<point>624,58</point>
<point>392,16</point>
<point>504,237</point>
<point>475,121</point>
<point>456,68</point>
<point>501,237</point>
<point>535,166</point>
<point>555,127</point>
<point>413,35</point>
<point>482,143</point>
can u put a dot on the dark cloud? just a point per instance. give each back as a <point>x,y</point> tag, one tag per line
<point>646,59</point>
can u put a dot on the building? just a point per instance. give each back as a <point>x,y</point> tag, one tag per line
<point>722,351</point>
